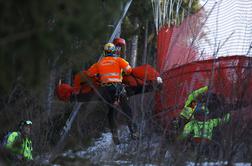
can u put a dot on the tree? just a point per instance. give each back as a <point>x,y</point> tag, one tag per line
<point>39,35</point>
<point>134,27</point>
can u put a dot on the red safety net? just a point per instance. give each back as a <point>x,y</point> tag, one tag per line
<point>229,77</point>
<point>175,44</point>
<point>184,70</point>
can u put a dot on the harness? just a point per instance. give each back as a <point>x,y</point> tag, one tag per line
<point>120,89</point>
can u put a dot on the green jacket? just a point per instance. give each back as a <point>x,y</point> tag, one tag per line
<point>187,111</point>
<point>25,149</point>
<point>203,129</point>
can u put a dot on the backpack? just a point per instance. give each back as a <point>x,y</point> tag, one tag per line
<point>5,139</point>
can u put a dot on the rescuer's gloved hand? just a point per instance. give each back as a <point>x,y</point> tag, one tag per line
<point>159,82</point>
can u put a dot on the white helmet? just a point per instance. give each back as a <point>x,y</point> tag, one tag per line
<point>109,49</point>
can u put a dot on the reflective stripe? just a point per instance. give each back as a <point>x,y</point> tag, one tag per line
<point>187,112</point>
<point>111,74</point>
<point>200,129</point>
<point>27,149</point>
<point>109,80</point>
<point>107,62</point>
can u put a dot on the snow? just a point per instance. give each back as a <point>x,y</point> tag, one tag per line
<point>105,152</point>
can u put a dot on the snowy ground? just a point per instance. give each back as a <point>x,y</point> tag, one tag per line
<point>105,152</point>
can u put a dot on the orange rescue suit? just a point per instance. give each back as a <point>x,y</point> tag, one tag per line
<point>110,69</point>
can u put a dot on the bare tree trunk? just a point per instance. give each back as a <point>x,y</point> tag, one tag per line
<point>127,54</point>
<point>51,87</point>
<point>134,45</point>
<point>144,57</point>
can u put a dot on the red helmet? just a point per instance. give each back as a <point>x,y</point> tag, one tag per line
<point>119,42</point>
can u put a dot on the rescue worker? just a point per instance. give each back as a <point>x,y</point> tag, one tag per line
<point>109,71</point>
<point>196,102</point>
<point>201,130</point>
<point>19,144</point>
<point>120,47</point>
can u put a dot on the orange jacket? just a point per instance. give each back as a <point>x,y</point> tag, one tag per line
<point>110,69</point>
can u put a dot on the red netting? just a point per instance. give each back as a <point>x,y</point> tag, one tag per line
<point>186,57</point>
<point>175,45</point>
<point>230,77</point>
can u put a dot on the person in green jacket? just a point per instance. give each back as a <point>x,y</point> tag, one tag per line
<point>200,130</point>
<point>19,144</point>
<point>196,102</point>
<point>201,127</point>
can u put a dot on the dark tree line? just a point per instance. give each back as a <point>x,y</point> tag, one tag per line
<point>44,39</point>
